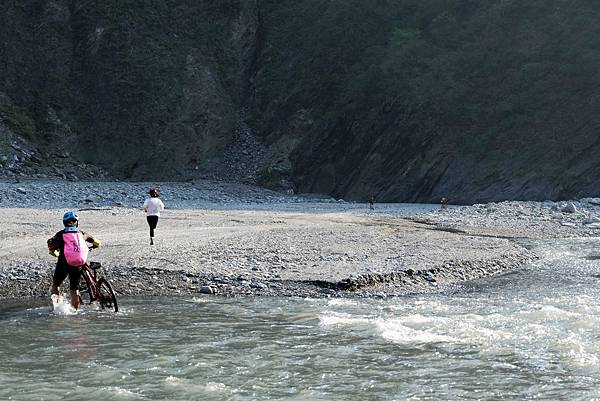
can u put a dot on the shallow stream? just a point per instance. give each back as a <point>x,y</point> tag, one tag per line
<point>530,334</point>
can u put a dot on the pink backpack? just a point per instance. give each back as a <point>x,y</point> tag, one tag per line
<point>75,250</point>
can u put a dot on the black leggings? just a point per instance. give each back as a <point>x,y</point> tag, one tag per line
<point>62,271</point>
<point>152,222</point>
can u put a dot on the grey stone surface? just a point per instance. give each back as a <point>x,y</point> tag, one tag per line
<point>242,240</point>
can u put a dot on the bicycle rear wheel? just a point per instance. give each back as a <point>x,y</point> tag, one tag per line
<point>107,295</point>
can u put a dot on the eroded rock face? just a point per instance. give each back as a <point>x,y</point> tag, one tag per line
<point>143,90</point>
<point>400,100</point>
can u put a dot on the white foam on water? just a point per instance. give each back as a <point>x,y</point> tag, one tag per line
<point>546,312</point>
<point>586,305</point>
<point>397,331</point>
<point>431,305</point>
<point>485,335</point>
<point>341,319</point>
<point>173,381</point>
<point>189,386</point>
<point>212,387</point>
<point>423,329</point>
<point>474,317</point>
<point>575,354</point>
<point>586,323</point>
<point>62,306</point>
<point>197,300</point>
<point>421,322</point>
<point>124,393</point>
<point>486,331</point>
<point>341,302</point>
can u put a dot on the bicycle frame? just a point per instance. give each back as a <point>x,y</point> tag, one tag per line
<point>90,277</point>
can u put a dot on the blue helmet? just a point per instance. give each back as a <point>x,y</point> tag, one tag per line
<point>69,217</point>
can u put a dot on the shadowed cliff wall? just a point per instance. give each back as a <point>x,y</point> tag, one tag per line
<point>405,100</point>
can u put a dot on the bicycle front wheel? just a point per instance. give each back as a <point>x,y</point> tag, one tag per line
<point>107,295</point>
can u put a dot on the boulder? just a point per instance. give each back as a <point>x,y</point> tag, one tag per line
<point>569,208</point>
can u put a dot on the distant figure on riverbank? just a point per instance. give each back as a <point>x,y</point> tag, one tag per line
<point>372,203</point>
<point>444,203</point>
<point>153,206</point>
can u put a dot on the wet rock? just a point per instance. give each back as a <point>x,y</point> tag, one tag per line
<point>205,289</point>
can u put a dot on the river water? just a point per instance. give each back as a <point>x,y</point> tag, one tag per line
<point>532,334</point>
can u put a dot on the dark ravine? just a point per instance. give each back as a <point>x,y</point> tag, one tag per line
<point>404,100</point>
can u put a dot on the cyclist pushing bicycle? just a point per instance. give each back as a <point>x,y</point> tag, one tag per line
<point>69,245</point>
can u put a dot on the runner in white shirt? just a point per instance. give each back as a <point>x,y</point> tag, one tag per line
<point>153,206</point>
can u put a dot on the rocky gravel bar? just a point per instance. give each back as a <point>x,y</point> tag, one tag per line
<point>237,240</point>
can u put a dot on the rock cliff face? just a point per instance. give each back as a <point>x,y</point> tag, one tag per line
<point>404,100</point>
<point>144,89</point>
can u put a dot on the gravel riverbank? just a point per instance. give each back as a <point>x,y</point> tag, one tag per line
<point>231,239</point>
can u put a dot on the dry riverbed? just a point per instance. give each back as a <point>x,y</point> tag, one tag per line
<point>228,239</point>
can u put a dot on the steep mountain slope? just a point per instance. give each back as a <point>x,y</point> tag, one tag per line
<point>417,100</point>
<point>406,100</point>
<point>149,89</point>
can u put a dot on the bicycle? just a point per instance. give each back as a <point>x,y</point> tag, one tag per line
<point>97,289</point>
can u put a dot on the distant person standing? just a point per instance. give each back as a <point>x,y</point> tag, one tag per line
<point>153,206</point>
<point>372,202</point>
<point>444,203</point>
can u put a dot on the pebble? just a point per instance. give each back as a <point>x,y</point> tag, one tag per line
<point>64,193</point>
